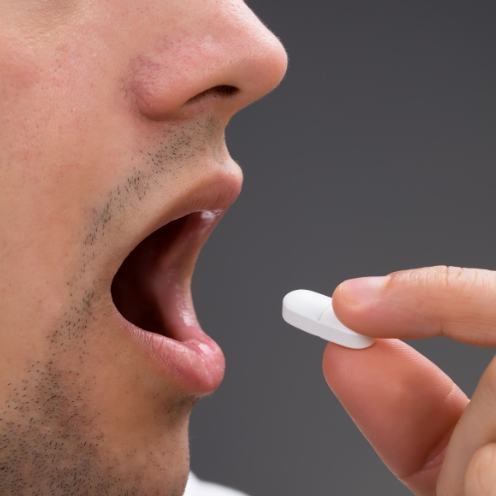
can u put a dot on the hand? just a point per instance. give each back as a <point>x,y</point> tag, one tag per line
<point>420,423</point>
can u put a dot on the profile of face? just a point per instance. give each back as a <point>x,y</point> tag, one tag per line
<point>113,172</point>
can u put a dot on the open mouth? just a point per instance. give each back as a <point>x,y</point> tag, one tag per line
<point>152,293</point>
<point>152,288</point>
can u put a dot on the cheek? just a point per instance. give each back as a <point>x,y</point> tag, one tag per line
<point>18,68</point>
<point>50,110</point>
<point>19,78</point>
<point>47,152</point>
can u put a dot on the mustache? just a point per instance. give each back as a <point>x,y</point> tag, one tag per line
<point>179,146</point>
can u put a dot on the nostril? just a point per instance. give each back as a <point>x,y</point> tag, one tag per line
<point>226,90</point>
<point>221,91</point>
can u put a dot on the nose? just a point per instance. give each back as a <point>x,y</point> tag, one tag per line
<point>221,57</point>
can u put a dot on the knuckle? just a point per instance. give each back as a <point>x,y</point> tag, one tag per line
<point>465,279</point>
<point>480,476</point>
<point>453,277</point>
<point>446,276</point>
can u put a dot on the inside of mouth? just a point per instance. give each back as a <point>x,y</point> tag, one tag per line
<point>146,283</point>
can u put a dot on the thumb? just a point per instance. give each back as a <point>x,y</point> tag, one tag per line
<point>402,403</point>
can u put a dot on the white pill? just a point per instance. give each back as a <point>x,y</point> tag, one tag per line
<point>313,313</point>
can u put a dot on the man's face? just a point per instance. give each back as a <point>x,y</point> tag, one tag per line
<point>112,118</point>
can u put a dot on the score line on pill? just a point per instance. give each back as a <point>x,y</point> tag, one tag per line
<point>313,313</point>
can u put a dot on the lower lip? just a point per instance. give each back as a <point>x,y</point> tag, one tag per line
<point>196,366</point>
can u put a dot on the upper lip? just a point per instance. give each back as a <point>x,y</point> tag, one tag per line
<point>215,192</point>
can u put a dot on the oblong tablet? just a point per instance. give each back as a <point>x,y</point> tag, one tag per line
<point>313,313</point>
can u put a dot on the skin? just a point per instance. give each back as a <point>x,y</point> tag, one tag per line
<point>105,126</point>
<point>442,443</point>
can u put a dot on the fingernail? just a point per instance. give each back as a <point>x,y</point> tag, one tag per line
<point>362,291</point>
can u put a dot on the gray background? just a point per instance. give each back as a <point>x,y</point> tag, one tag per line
<point>376,154</point>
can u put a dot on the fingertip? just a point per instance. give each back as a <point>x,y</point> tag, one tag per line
<point>327,356</point>
<point>340,364</point>
<point>327,360</point>
<point>354,309</point>
<point>373,307</point>
<point>362,292</point>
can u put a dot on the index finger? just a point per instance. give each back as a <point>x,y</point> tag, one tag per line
<point>447,301</point>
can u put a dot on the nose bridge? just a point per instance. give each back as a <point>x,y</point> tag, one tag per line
<point>222,47</point>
